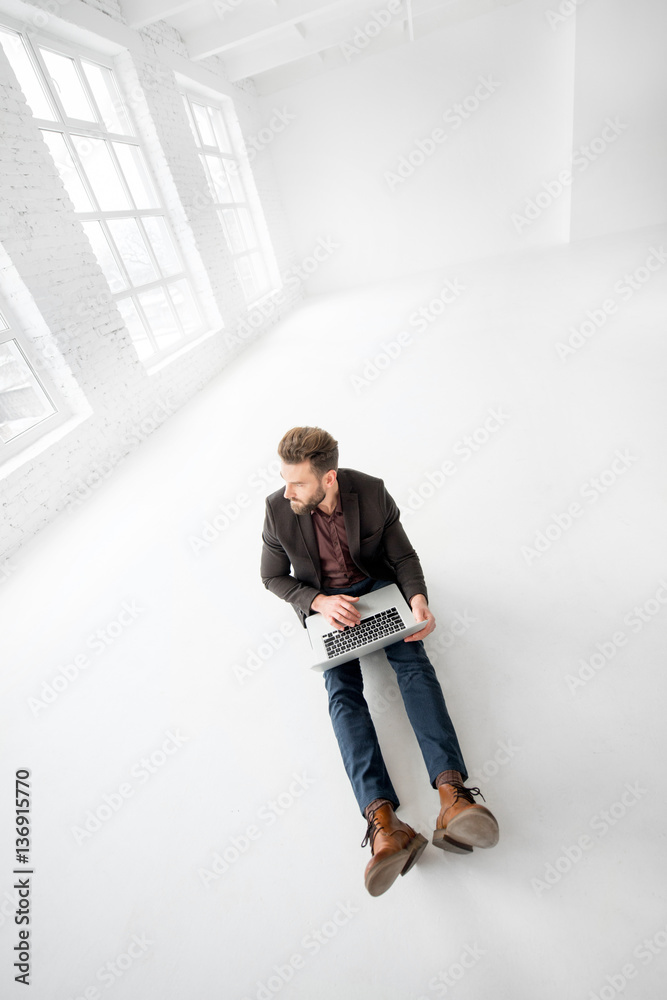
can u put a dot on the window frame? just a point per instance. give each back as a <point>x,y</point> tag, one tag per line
<point>66,126</point>
<point>15,333</point>
<point>239,157</point>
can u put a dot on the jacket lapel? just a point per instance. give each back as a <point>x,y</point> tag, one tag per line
<point>308,534</point>
<point>350,503</point>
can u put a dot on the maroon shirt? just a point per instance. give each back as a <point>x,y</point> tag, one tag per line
<point>338,570</point>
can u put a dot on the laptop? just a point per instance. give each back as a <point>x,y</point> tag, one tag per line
<point>385,618</point>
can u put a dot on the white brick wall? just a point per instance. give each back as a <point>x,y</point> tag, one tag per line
<point>54,285</point>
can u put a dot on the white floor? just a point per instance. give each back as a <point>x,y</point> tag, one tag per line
<point>195,835</point>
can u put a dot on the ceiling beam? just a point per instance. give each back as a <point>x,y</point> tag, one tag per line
<point>242,64</point>
<point>248,25</point>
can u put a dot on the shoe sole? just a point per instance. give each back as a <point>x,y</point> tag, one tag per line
<point>471,828</point>
<point>383,875</point>
<point>440,839</point>
<point>416,847</point>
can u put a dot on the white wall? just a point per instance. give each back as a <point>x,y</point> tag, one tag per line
<point>621,72</point>
<point>352,125</point>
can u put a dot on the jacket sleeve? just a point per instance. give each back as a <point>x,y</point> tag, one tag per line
<point>399,553</point>
<point>275,571</point>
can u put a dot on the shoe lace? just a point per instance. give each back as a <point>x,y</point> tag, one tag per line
<point>461,792</point>
<point>374,825</point>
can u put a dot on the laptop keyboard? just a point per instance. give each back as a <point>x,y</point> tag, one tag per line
<point>369,629</point>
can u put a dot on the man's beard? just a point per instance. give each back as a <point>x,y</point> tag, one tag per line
<point>305,508</point>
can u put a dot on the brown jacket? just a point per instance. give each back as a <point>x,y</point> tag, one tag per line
<point>378,544</point>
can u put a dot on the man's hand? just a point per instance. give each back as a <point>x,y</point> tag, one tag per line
<point>338,609</point>
<point>422,614</point>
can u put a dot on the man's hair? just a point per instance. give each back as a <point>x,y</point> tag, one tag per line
<point>302,444</point>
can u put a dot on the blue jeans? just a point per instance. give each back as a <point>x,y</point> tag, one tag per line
<point>424,703</point>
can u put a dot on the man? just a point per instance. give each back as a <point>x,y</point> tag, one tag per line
<point>332,535</point>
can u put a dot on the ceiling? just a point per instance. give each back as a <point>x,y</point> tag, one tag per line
<point>280,42</point>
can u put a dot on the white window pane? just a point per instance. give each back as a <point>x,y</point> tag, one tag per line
<point>195,134</point>
<point>235,183</point>
<point>101,172</point>
<point>133,250</point>
<point>261,273</point>
<point>160,317</point>
<point>65,77</point>
<point>137,330</point>
<point>233,231</point>
<point>221,134</point>
<point>247,278</point>
<point>136,174</point>
<point>209,180</point>
<point>204,124</point>
<point>221,190</point>
<point>181,296</point>
<point>105,257</point>
<point>162,244</point>
<point>249,235</point>
<point>109,101</point>
<point>23,402</point>
<point>68,171</point>
<point>26,74</point>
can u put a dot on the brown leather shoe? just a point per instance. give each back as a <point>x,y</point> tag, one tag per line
<point>395,848</point>
<point>462,824</point>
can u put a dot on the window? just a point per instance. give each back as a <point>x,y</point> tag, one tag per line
<point>90,134</point>
<point>27,408</point>
<point>221,166</point>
